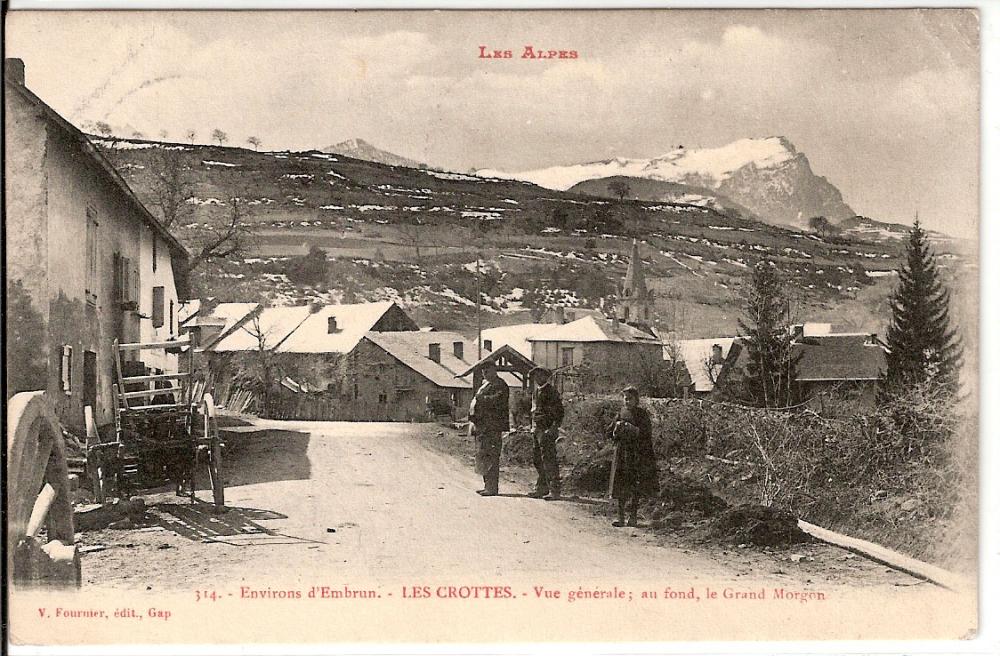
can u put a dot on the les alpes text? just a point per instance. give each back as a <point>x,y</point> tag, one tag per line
<point>529,52</point>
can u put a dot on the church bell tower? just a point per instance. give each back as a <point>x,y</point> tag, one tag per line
<point>635,302</point>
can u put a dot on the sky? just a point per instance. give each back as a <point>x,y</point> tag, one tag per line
<point>884,103</point>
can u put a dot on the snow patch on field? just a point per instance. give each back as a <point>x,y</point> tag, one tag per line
<point>211,162</point>
<point>453,176</point>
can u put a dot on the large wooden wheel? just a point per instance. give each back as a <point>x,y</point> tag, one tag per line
<point>38,495</point>
<point>211,435</point>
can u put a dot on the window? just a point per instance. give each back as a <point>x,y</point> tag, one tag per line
<point>626,313</point>
<point>488,344</point>
<point>154,252</point>
<point>157,307</point>
<point>383,397</point>
<point>355,391</point>
<point>567,356</point>
<point>92,239</point>
<point>66,369</point>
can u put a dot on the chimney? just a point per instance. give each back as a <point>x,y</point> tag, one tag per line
<point>331,325</point>
<point>434,352</point>
<point>716,354</point>
<point>872,340</point>
<point>458,348</point>
<point>13,70</point>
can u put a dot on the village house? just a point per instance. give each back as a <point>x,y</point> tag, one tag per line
<point>356,362</point>
<point>829,366</point>
<point>701,359</point>
<point>87,264</point>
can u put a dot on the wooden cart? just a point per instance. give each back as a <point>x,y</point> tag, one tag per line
<point>165,429</point>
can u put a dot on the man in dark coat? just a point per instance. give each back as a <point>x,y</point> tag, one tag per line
<point>633,469</point>
<point>546,416</point>
<point>489,416</point>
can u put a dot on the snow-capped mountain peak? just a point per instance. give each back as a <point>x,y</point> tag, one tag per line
<point>767,175</point>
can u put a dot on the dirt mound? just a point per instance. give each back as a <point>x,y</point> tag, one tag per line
<point>684,494</point>
<point>758,525</point>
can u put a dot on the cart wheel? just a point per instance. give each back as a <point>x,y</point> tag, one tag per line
<point>38,495</point>
<point>211,434</point>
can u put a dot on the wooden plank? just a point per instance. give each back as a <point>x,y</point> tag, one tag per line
<point>885,556</point>
<point>146,379</point>
<point>161,406</point>
<point>152,392</point>
<point>137,346</point>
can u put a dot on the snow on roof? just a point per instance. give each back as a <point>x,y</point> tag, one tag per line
<point>695,354</point>
<point>516,336</point>
<point>412,348</point>
<point>274,324</point>
<point>352,322</point>
<point>595,329</point>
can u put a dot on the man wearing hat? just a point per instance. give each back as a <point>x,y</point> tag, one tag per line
<point>546,415</point>
<point>489,416</point>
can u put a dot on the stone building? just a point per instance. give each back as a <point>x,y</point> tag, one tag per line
<point>86,262</point>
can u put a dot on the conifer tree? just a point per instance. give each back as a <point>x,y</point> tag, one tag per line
<point>922,343</point>
<point>768,380</point>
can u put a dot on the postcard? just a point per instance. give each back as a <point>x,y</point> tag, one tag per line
<point>491,327</point>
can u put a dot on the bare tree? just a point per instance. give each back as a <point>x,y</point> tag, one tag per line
<point>171,187</point>
<point>254,141</point>
<point>619,188</point>
<point>103,129</point>
<point>413,233</point>
<point>262,368</point>
<point>219,136</point>
<point>190,135</point>
<point>229,236</point>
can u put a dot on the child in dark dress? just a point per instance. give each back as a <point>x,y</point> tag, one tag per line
<point>633,469</point>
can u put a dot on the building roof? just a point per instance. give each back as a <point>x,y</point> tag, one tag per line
<point>516,336</point>
<point>695,354</point>
<point>274,324</point>
<point>411,348</point>
<point>508,352</point>
<point>594,329</point>
<point>353,321</point>
<point>833,357</point>
<point>230,314</point>
<point>844,356</point>
<point>88,147</point>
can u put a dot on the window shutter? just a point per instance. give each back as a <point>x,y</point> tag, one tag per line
<point>134,296</point>
<point>117,295</point>
<point>66,369</point>
<point>157,307</point>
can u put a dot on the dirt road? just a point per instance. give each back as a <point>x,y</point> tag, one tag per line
<point>381,507</point>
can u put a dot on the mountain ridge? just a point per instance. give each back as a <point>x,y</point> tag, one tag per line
<point>361,149</point>
<point>769,176</point>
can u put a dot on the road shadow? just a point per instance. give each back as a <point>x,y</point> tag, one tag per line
<point>202,522</point>
<point>584,501</point>
<point>261,455</point>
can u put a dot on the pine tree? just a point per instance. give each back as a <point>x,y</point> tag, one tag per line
<point>922,344</point>
<point>768,380</point>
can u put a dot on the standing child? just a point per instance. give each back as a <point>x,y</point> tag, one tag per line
<point>633,470</point>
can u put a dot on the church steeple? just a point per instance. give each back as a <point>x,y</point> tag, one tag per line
<point>635,303</point>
